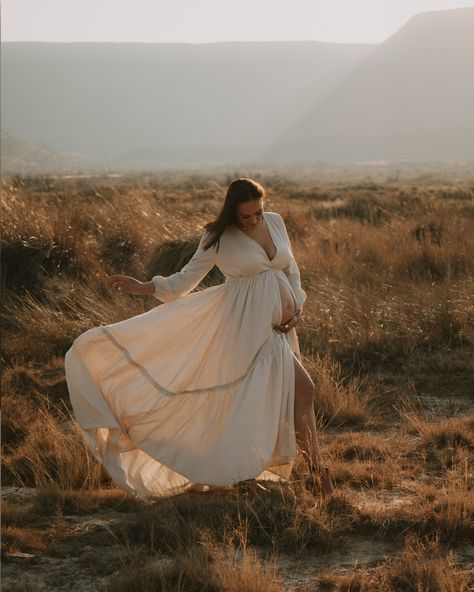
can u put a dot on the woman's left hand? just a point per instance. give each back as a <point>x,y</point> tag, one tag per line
<point>289,325</point>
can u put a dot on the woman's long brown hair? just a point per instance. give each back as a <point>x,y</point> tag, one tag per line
<point>239,191</point>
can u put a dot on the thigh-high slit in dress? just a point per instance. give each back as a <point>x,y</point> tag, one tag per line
<point>200,389</point>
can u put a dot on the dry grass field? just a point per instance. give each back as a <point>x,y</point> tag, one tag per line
<point>387,261</point>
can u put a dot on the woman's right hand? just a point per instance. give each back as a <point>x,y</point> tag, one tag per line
<point>129,285</point>
<point>290,324</point>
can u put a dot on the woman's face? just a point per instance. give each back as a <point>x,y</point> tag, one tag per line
<point>249,214</point>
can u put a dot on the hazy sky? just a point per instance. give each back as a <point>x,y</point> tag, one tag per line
<point>200,21</point>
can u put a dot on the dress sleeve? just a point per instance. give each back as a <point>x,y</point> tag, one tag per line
<point>182,282</point>
<point>292,271</point>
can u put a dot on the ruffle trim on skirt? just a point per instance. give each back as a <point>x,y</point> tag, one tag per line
<point>163,390</point>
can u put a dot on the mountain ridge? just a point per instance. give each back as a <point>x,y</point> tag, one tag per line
<point>272,102</point>
<point>399,93</point>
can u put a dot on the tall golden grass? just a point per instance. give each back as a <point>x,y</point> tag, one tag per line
<point>388,328</point>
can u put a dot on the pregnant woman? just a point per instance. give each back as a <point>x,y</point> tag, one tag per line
<point>208,388</point>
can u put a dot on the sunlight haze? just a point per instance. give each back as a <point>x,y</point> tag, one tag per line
<point>146,21</point>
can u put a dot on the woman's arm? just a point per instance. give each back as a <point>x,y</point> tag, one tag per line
<point>176,285</point>
<point>292,271</point>
<point>129,285</point>
<point>182,282</point>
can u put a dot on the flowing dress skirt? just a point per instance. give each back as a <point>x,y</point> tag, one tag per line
<point>199,390</point>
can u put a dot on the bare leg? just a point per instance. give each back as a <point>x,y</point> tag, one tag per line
<point>305,424</point>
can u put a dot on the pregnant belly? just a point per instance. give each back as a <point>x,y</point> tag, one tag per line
<point>288,302</point>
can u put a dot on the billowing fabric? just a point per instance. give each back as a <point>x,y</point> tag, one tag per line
<point>200,389</point>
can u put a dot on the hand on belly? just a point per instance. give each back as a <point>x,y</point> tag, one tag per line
<point>288,303</point>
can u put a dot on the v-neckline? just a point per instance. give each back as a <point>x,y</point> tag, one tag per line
<point>254,241</point>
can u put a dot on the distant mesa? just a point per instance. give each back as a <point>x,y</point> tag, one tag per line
<point>154,105</point>
<point>165,104</point>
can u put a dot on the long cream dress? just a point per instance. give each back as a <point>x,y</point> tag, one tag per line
<point>200,389</point>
